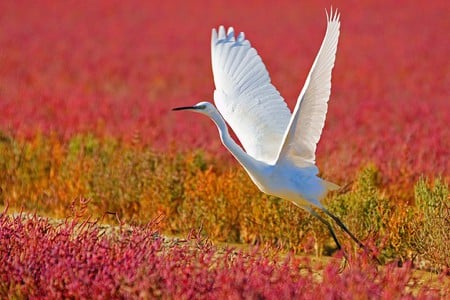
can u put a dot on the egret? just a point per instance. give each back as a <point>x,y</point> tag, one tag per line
<point>279,147</point>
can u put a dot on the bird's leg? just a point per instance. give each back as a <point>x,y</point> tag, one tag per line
<point>339,222</point>
<point>330,228</point>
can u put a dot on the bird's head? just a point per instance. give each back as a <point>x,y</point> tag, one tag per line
<point>205,108</point>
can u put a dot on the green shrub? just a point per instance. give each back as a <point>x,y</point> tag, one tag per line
<point>430,229</point>
<point>371,215</point>
<point>363,208</point>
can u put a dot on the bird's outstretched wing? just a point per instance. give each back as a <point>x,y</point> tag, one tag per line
<point>307,121</point>
<point>245,96</point>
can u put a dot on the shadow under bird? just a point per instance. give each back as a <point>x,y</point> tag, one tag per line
<point>279,146</point>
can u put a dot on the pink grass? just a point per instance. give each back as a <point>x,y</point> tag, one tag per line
<point>117,67</point>
<point>81,260</point>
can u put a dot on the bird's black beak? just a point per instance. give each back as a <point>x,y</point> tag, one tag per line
<point>184,107</point>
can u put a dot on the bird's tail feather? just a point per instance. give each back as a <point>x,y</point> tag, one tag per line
<point>331,186</point>
<point>326,187</point>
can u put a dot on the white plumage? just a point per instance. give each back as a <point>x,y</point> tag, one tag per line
<point>279,147</point>
<point>245,97</point>
<point>308,118</point>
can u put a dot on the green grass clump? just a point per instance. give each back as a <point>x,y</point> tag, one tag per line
<point>430,225</point>
<point>368,211</point>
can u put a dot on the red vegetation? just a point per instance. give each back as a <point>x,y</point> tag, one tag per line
<point>117,67</point>
<point>80,260</point>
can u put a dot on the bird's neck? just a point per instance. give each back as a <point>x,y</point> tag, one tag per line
<point>248,162</point>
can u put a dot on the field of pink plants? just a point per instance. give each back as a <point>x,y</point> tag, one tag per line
<point>86,91</point>
<point>77,260</point>
<point>117,68</point>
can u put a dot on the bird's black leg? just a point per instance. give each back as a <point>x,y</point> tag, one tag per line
<point>330,228</point>
<point>339,222</point>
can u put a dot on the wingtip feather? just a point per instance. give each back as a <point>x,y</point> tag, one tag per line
<point>241,37</point>
<point>220,33</point>
<point>230,34</point>
<point>213,35</point>
<point>333,16</point>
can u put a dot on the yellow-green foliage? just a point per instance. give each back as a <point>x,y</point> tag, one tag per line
<point>367,210</point>
<point>230,208</point>
<point>430,225</point>
<point>103,176</point>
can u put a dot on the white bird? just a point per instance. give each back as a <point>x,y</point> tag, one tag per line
<point>279,147</point>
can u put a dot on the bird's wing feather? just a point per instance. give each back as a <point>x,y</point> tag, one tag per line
<point>307,121</point>
<point>245,97</point>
